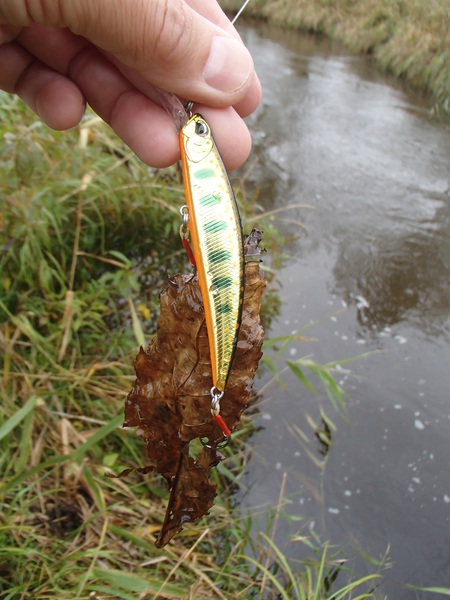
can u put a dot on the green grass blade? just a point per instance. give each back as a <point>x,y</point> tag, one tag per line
<point>107,591</point>
<point>17,417</point>
<point>268,574</point>
<point>433,590</point>
<point>343,592</point>
<point>298,372</point>
<point>270,364</point>
<point>15,481</point>
<point>76,455</point>
<point>131,582</point>
<point>25,443</point>
<point>135,540</point>
<point>97,437</point>
<point>283,561</point>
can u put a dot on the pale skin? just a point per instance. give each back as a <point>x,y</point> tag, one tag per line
<point>59,55</point>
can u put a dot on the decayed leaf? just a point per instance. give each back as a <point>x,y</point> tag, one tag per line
<point>192,493</point>
<point>170,403</point>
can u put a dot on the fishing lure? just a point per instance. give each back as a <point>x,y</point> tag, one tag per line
<point>212,220</point>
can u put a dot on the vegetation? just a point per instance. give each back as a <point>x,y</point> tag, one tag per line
<point>87,236</point>
<point>409,38</point>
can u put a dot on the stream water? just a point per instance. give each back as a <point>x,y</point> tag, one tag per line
<point>371,262</point>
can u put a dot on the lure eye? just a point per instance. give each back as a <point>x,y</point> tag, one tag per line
<point>201,128</point>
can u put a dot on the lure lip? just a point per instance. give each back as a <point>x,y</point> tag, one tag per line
<point>178,111</point>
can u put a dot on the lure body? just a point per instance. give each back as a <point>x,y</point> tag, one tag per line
<point>217,242</point>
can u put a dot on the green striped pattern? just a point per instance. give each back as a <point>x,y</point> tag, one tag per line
<point>217,244</point>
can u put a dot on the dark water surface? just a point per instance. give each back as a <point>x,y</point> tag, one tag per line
<point>336,134</point>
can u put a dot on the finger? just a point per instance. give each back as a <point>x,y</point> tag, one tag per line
<point>58,47</point>
<point>56,99</point>
<point>213,12</point>
<point>53,46</point>
<point>112,97</point>
<point>251,101</point>
<point>8,33</point>
<point>142,125</point>
<point>176,48</point>
<point>145,127</point>
<point>230,133</point>
<point>245,107</point>
<point>168,43</point>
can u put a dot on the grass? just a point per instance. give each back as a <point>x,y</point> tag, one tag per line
<point>408,38</point>
<point>87,236</point>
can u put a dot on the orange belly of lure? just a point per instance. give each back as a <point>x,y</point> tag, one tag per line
<point>217,244</point>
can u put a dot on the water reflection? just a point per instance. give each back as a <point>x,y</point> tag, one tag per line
<point>376,174</point>
<point>399,277</point>
<point>336,134</point>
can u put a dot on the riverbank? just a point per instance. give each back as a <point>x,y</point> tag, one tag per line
<point>409,39</point>
<point>88,234</point>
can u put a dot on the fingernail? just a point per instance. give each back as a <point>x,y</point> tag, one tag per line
<point>229,64</point>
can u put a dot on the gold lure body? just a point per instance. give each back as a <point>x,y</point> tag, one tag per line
<point>217,242</point>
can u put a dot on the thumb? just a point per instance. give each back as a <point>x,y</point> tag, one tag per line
<point>169,44</point>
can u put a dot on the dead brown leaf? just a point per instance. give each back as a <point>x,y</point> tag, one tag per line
<point>170,403</point>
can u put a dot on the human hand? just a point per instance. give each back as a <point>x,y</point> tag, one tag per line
<point>59,54</point>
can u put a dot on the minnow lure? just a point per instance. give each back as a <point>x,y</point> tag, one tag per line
<point>217,243</point>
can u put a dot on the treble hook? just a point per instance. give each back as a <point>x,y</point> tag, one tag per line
<point>216,397</point>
